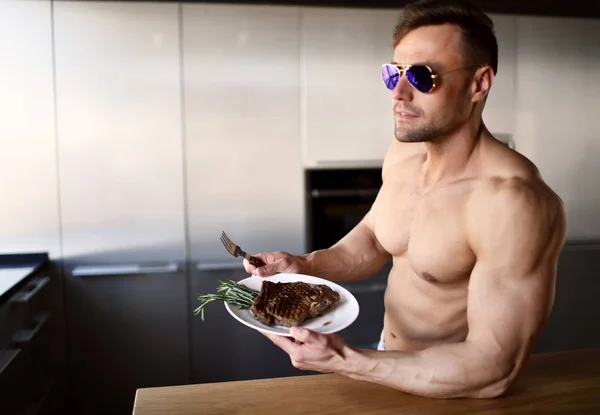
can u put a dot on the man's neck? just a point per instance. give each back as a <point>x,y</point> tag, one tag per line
<point>449,157</point>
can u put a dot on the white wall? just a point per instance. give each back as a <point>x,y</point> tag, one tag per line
<point>119,82</point>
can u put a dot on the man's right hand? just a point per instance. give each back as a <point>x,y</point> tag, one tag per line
<point>276,262</point>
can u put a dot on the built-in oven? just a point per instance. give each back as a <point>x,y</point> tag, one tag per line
<point>336,201</point>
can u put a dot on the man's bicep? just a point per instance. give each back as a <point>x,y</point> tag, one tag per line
<point>511,289</point>
<point>506,314</point>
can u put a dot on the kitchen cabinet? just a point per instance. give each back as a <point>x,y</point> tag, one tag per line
<point>241,117</point>
<point>128,328</point>
<point>558,61</point>
<point>346,110</point>
<point>576,8</point>
<point>119,127</point>
<point>32,348</point>
<point>573,323</point>
<point>29,211</point>
<point>499,113</point>
<point>118,89</point>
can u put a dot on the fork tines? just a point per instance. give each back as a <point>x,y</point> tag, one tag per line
<point>228,243</point>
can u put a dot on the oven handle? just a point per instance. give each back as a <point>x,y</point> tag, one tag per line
<point>317,193</point>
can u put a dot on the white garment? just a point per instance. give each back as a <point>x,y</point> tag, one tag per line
<point>381,344</point>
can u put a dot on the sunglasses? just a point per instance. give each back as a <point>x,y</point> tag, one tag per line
<point>421,77</point>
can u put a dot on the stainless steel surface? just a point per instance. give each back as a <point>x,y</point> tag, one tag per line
<point>120,139</point>
<point>29,218</point>
<point>241,109</point>
<point>122,269</point>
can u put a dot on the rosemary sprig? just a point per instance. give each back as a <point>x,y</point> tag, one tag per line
<point>231,292</point>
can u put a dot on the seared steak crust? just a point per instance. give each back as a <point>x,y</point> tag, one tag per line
<point>291,303</point>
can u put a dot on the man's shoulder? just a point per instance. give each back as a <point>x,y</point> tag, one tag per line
<point>523,191</point>
<point>509,178</point>
<point>502,201</point>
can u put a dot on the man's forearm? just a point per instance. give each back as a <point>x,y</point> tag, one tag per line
<point>340,264</point>
<point>446,371</point>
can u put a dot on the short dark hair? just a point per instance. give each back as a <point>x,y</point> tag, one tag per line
<point>479,39</point>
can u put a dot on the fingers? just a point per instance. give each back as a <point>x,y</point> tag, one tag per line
<point>275,262</point>
<point>285,343</point>
<point>267,270</point>
<point>251,269</point>
<point>302,335</point>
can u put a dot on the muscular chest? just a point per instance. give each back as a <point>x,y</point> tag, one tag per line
<point>426,229</point>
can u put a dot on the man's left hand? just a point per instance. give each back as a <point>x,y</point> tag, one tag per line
<point>309,350</point>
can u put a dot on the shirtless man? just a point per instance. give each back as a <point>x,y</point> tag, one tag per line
<point>473,231</point>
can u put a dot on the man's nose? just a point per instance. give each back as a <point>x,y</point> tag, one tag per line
<point>403,90</point>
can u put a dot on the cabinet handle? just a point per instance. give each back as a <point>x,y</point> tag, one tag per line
<point>7,357</point>
<point>125,269</point>
<point>23,337</point>
<point>319,193</point>
<point>220,266</point>
<point>33,287</point>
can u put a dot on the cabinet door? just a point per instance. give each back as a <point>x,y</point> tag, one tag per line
<point>127,330</point>
<point>119,130</point>
<point>244,171</point>
<point>558,62</point>
<point>573,323</point>
<point>499,112</point>
<point>28,185</point>
<point>346,109</point>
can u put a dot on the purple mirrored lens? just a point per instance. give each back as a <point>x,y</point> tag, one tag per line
<point>420,77</point>
<point>390,75</point>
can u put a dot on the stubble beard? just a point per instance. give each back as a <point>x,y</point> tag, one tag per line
<point>424,133</point>
<point>417,135</point>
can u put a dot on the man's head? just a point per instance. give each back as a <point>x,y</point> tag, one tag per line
<point>456,40</point>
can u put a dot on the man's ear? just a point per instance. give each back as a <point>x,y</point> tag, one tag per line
<point>482,83</point>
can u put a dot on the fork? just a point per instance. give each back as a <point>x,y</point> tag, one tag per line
<point>236,251</point>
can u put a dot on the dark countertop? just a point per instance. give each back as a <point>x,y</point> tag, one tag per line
<point>15,268</point>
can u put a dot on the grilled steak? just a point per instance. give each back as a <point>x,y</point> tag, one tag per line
<point>291,303</point>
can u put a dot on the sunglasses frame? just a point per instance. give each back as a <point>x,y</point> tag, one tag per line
<point>403,68</point>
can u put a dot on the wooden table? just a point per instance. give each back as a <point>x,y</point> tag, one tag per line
<point>561,383</point>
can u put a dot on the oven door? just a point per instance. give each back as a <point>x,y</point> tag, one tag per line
<point>337,200</point>
<point>335,212</point>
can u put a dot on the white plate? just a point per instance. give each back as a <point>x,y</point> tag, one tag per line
<point>338,318</point>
